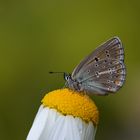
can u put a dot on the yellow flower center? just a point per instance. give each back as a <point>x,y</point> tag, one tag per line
<point>70,102</point>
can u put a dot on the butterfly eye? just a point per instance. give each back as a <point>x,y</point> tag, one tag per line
<point>67,77</point>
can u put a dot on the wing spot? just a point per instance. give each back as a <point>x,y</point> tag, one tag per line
<point>117,82</point>
<point>97,74</point>
<point>88,71</point>
<point>108,81</point>
<point>96,65</point>
<point>108,55</point>
<point>103,66</point>
<point>109,88</point>
<point>96,59</point>
<point>107,51</point>
<point>105,61</point>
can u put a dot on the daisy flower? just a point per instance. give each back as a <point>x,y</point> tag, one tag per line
<point>65,115</point>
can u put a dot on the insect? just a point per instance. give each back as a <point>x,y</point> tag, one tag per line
<point>102,72</point>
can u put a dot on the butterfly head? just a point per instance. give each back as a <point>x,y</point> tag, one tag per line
<point>67,76</point>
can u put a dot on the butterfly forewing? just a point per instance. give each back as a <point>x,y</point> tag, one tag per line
<point>103,71</point>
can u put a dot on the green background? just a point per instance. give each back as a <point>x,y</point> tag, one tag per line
<point>41,36</point>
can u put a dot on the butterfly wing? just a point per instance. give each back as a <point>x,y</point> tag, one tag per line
<point>103,70</point>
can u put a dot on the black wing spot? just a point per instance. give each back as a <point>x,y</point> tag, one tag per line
<point>108,81</point>
<point>96,59</point>
<point>96,65</point>
<point>88,71</point>
<point>108,55</point>
<point>106,51</point>
<point>105,61</point>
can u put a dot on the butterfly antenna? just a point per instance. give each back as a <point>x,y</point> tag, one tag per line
<point>64,73</point>
<point>52,72</point>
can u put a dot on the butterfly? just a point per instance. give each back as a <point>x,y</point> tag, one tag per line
<point>102,72</point>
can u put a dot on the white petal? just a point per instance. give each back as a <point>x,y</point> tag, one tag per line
<point>52,125</point>
<point>82,126</point>
<point>73,129</point>
<point>38,125</point>
<point>39,110</point>
<point>56,130</point>
<point>90,132</point>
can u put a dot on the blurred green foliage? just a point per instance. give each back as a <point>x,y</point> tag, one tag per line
<point>40,36</point>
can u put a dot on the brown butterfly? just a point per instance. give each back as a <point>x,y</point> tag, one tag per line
<point>101,72</point>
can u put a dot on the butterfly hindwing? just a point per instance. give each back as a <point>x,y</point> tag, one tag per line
<point>103,70</point>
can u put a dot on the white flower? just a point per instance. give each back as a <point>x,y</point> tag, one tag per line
<point>50,124</point>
